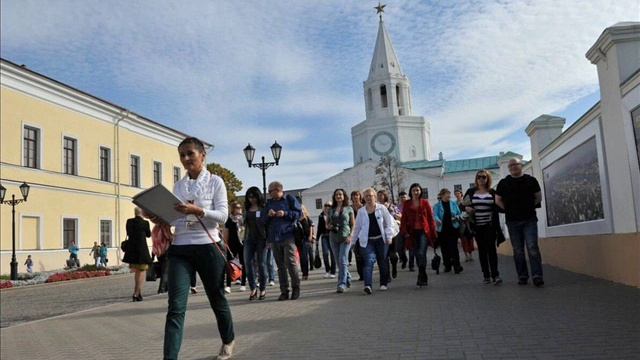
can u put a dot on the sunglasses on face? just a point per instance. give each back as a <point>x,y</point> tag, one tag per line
<point>481,177</point>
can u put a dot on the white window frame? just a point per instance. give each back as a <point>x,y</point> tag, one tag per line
<point>76,155</point>
<point>40,244</point>
<point>111,241</point>
<point>110,177</point>
<point>78,232</point>
<point>40,144</point>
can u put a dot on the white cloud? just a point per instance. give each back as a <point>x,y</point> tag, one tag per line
<point>255,71</point>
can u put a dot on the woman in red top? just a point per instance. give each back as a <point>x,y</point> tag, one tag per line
<point>418,228</point>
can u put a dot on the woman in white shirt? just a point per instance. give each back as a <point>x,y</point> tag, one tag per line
<point>204,201</point>
<point>374,232</point>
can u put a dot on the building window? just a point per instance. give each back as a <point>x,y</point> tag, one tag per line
<point>105,232</point>
<point>105,164</point>
<point>176,174</point>
<point>457,187</point>
<point>383,96</point>
<point>157,173</point>
<point>70,151</point>
<point>135,171</point>
<point>318,204</point>
<point>369,99</point>
<point>425,193</point>
<point>69,232</point>
<point>635,117</point>
<point>31,147</point>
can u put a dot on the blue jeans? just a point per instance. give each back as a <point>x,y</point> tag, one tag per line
<point>340,251</point>
<point>525,233</point>
<point>376,251</point>
<point>256,248</point>
<point>420,248</point>
<point>271,264</point>
<point>327,255</point>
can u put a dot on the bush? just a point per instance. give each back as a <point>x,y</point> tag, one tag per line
<point>74,275</point>
<point>5,277</point>
<point>6,284</point>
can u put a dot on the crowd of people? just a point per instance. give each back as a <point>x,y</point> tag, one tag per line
<point>212,237</point>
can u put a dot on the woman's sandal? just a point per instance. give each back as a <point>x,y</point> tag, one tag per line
<point>263,295</point>
<point>253,295</point>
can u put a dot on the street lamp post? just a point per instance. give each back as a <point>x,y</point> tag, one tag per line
<point>24,189</point>
<point>250,151</point>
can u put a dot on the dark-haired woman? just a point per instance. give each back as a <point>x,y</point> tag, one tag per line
<point>418,229</point>
<point>356,203</point>
<point>341,221</point>
<point>255,242</point>
<point>486,225</point>
<point>196,247</point>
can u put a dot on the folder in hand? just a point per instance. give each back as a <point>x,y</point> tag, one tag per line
<point>159,201</point>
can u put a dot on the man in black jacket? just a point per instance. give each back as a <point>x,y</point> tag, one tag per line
<point>323,236</point>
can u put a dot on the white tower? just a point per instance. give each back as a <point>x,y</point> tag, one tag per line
<point>390,127</point>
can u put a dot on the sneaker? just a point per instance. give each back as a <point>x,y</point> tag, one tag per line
<point>367,290</point>
<point>538,282</point>
<point>326,275</point>
<point>332,276</point>
<point>194,290</point>
<point>340,290</point>
<point>226,351</point>
<point>486,281</point>
<point>295,293</point>
<point>238,282</point>
<point>459,270</point>
<point>271,283</point>
<point>284,296</point>
<point>384,288</point>
<point>243,288</point>
<point>227,290</point>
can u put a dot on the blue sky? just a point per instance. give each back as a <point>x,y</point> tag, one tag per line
<point>256,71</point>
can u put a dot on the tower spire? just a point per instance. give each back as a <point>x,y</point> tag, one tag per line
<point>384,62</point>
<point>380,9</point>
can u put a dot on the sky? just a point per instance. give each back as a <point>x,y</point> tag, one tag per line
<point>238,72</point>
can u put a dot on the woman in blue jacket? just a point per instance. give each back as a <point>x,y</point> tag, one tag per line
<point>448,217</point>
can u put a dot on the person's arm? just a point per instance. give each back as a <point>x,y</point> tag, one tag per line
<point>220,204</point>
<point>499,202</point>
<point>387,224</point>
<point>357,227</point>
<point>537,192</point>
<point>537,198</point>
<point>129,228</point>
<point>295,210</point>
<point>498,195</point>
<point>147,229</point>
<point>431,221</point>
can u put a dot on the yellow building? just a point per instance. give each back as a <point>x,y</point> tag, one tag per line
<point>84,159</point>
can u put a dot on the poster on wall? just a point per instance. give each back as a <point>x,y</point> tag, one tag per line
<point>572,187</point>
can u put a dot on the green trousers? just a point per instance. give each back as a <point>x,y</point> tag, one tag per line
<point>184,260</point>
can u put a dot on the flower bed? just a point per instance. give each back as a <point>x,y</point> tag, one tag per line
<point>74,275</point>
<point>6,284</point>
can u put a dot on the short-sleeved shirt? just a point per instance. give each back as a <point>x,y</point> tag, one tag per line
<point>518,197</point>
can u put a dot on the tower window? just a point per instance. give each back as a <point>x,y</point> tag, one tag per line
<point>383,96</point>
<point>369,99</point>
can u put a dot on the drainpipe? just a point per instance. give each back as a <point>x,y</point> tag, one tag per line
<point>116,141</point>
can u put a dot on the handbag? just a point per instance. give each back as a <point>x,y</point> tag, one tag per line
<point>317,261</point>
<point>435,262</point>
<point>124,246</point>
<point>233,266</point>
<point>151,273</point>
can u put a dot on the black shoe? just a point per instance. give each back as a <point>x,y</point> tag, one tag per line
<point>538,282</point>
<point>367,290</point>
<point>263,295</point>
<point>412,269</point>
<point>284,296</point>
<point>295,293</point>
<point>394,272</point>
<point>459,270</point>
<point>523,282</point>
<point>447,270</point>
<point>486,281</point>
<point>404,265</point>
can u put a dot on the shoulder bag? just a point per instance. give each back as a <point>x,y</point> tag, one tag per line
<point>233,266</point>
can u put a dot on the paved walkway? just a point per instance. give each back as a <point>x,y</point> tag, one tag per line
<point>456,317</point>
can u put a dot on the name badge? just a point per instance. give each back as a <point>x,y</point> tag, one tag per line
<point>258,213</point>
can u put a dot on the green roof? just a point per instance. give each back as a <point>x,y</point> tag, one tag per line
<point>487,162</point>
<point>423,164</point>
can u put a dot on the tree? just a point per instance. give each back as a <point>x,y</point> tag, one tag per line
<point>232,183</point>
<point>388,174</point>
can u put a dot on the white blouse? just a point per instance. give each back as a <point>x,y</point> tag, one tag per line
<point>208,192</point>
<point>360,231</point>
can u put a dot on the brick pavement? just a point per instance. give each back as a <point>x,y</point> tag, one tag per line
<point>456,317</point>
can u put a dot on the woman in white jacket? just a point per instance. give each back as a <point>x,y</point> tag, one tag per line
<point>374,231</point>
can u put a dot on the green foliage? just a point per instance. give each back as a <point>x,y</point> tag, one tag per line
<point>232,183</point>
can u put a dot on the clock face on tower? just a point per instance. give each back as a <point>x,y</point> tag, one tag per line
<point>383,143</point>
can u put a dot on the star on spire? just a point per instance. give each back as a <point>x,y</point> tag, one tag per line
<point>380,9</point>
